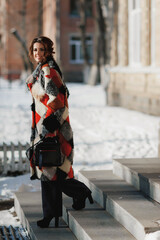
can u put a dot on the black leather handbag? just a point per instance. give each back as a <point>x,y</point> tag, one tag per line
<point>48,153</point>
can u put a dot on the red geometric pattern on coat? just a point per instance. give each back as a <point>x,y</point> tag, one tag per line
<point>60,97</point>
<point>45,65</point>
<point>55,78</point>
<point>71,174</point>
<point>67,119</point>
<point>45,99</point>
<point>37,117</point>
<point>50,135</point>
<point>57,103</point>
<point>65,146</point>
<point>49,112</point>
<point>53,75</point>
<point>33,123</point>
<point>31,161</point>
<point>30,86</point>
<point>48,76</point>
<point>66,102</point>
<point>54,178</point>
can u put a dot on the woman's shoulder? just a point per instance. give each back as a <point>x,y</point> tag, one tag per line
<point>49,68</point>
<point>46,69</point>
<point>51,74</point>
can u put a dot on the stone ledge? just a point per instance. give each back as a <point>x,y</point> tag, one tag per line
<point>144,174</point>
<point>28,209</point>
<point>93,222</point>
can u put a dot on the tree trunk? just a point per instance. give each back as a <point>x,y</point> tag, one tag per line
<point>102,32</point>
<point>82,26</point>
<point>40,13</point>
<point>23,30</point>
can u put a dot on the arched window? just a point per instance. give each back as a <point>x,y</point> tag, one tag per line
<point>134,25</point>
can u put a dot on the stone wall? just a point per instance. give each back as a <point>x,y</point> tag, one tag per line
<point>137,91</point>
<point>133,87</point>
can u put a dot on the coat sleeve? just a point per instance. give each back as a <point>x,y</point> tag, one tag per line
<point>55,100</point>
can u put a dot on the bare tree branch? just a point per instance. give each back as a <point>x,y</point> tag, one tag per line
<point>102,31</point>
<point>23,44</point>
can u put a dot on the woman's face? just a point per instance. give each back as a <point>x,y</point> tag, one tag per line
<point>38,52</point>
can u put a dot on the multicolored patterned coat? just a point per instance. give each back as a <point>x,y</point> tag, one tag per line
<point>51,117</point>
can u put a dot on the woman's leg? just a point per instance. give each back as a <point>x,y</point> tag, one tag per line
<point>73,187</point>
<point>51,199</point>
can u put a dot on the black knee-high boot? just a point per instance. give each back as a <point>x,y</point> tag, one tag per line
<point>78,191</point>
<point>51,203</point>
<point>75,189</point>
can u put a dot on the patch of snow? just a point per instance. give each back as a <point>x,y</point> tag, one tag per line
<point>153,236</point>
<point>7,218</point>
<point>101,133</point>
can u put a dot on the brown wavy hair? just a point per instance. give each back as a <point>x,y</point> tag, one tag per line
<point>47,43</point>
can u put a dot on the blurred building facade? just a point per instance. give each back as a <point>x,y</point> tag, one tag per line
<point>61,20</point>
<point>23,16</point>
<point>134,70</point>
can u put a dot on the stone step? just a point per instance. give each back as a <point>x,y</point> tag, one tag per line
<point>128,206</point>
<point>93,223</point>
<point>143,173</point>
<point>29,210</point>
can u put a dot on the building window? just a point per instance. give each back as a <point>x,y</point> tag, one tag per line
<point>74,11</point>
<point>76,55</point>
<point>89,8</point>
<point>153,32</point>
<point>134,31</point>
<point>74,8</point>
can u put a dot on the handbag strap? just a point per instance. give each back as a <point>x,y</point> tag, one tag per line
<point>33,119</point>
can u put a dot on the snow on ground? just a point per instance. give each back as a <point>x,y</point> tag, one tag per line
<point>101,133</point>
<point>9,219</point>
<point>153,236</point>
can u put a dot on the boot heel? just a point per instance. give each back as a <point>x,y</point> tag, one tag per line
<point>56,222</point>
<point>90,199</point>
<point>44,223</point>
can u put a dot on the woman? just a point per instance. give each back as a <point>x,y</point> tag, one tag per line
<point>49,119</point>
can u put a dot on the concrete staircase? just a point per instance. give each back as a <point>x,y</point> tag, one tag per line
<point>120,212</point>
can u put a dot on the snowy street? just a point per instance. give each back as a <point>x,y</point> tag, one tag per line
<point>101,132</point>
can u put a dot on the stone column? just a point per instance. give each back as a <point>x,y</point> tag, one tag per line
<point>123,33</point>
<point>146,32</point>
<point>114,36</point>
<point>157,30</point>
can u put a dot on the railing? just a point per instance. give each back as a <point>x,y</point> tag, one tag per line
<point>13,158</point>
<point>13,233</point>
